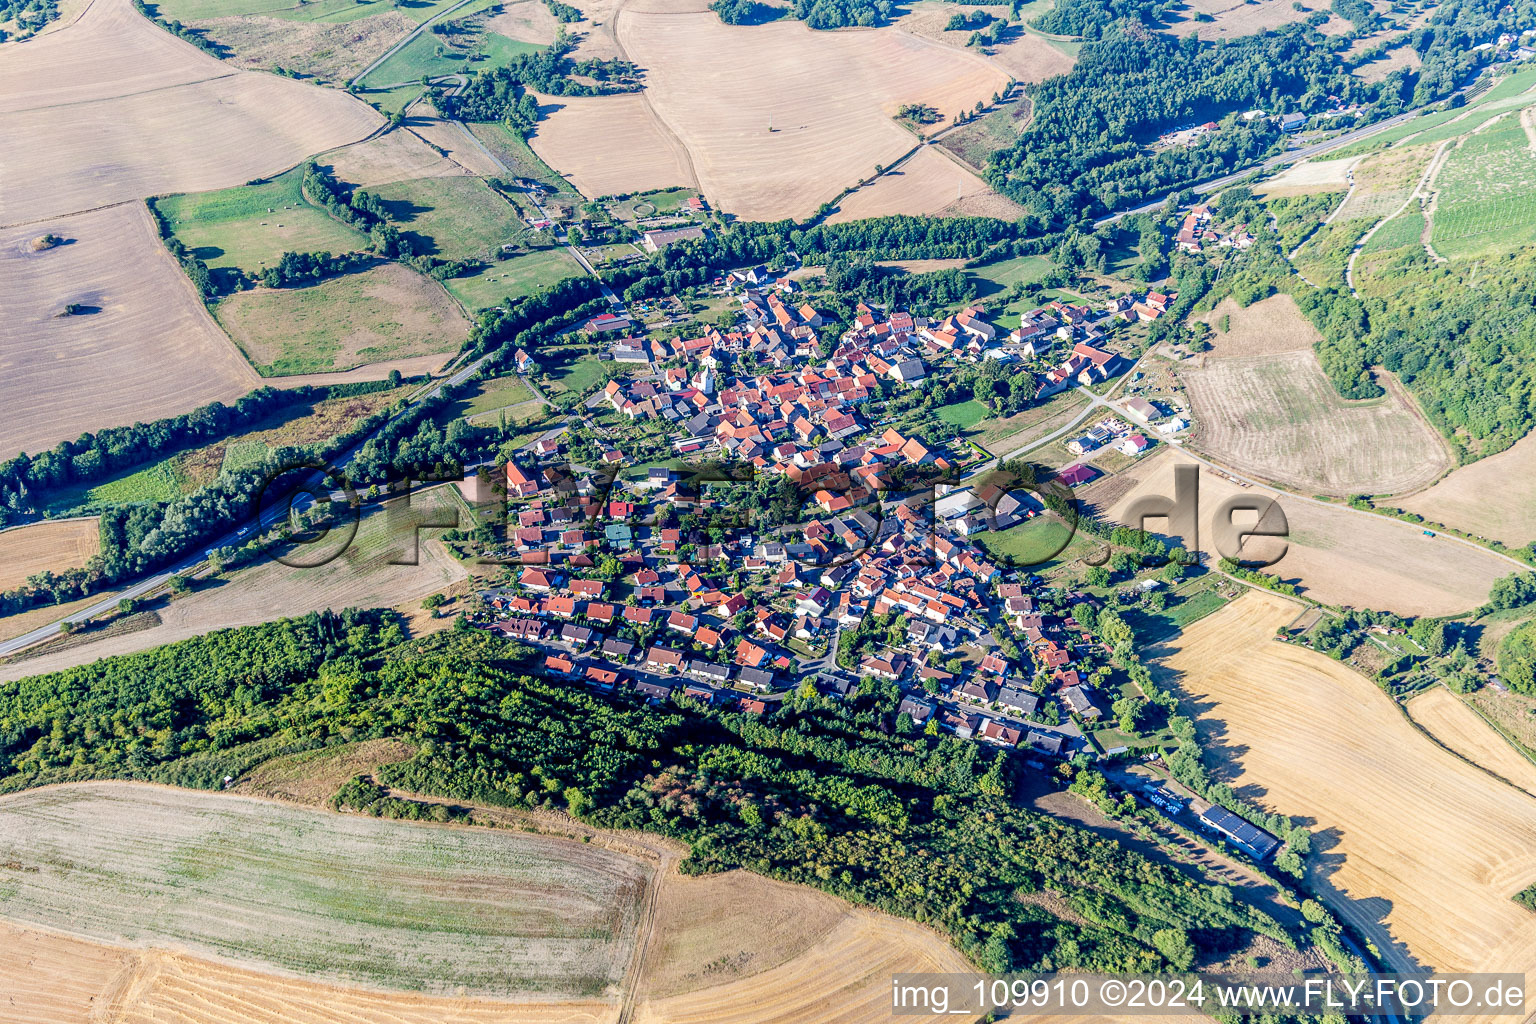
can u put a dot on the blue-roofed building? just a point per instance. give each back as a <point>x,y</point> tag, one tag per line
<point>1251,839</point>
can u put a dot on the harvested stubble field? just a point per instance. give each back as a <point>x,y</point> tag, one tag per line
<point>142,347</point>
<point>1493,497</point>
<point>1025,55</point>
<point>1453,723</point>
<point>57,979</point>
<point>1420,851</point>
<point>741,949</point>
<point>1273,413</point>
<point>346,899</point>
<point>1231,19</point>
<point>828,132</point>
<point>929,183</point>
<point>362,577</point>
<point>638,152</point>
<point>393,156</point>
<point>385,313</point>
<point>26,550</point>
<point>734,947</point>
<point>527,21</point>
<point>1308,177</point>
<point>1396,59</point>
<point>1337,555</point>
<point>114,108</point>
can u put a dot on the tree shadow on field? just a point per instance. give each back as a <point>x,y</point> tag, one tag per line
<point>1367,916</point>
<point>404,211</point>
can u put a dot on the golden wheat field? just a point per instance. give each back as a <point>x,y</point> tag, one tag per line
<point>58,545</point>
<point>927,183</point>
<point>1419,850</point>
<point>1445,717</point>
<point>770,131</point>
<point>140,346</point>
<point>1337,555</point>
<point>114,108</point>
<point>637,151</point>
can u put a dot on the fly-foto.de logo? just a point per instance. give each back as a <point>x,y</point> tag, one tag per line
<point>1232,523</point>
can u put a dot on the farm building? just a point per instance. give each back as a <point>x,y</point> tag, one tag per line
<point>604,322</point>
<point>655,241</point>
<point>1251,839</point>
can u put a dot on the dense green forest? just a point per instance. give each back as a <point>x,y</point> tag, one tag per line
<point>1092,18</point>
<point>826,793</point>
<point>745,12</point>
<point>1084,151</point>
<point>27,16</point>
<point>1467,351</point>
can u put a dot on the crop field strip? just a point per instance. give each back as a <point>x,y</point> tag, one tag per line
<point>59,545</point>
<point>352,899</point>
<point>1451,722</point>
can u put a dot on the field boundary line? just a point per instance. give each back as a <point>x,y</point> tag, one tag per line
<point>674,138</point>
<point>129,95</point>
<point>1402,706</point>
<point>1519,748</point>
